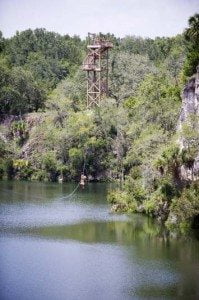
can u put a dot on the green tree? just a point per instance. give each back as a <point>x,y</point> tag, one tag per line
<point>127,71</point>
<point>19,93</point>
<point>192,38</point>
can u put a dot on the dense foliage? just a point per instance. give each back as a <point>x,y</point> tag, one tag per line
<point>32,63</point>
<point>192,38</point>
<point>48,134</point>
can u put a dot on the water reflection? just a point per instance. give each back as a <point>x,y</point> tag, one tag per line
<point>128,256</point>
<point>41,192</point>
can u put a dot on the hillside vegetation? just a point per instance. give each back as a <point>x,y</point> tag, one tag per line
<point>47,133</point>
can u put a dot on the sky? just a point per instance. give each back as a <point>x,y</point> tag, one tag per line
<point>146,18</point>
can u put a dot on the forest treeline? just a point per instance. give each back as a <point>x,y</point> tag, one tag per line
<point>46,132</point>
<point>33,62</point>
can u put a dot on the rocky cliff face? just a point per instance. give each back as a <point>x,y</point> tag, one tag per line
<point>190,116</point>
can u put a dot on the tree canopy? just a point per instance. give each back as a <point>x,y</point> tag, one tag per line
<point>130,138</point>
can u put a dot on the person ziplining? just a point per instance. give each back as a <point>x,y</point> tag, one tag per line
<point>82,180</point>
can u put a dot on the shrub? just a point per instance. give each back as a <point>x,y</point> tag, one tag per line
<point>76,156</point>
<point>121,201</point>
<point>157,204</point>
<point>22,169</point>
<point>65,173</point>
<point>19,132</point>
<point>168,164</point>
<point>50,165</point>
<point>1,171</point>
<point>2,148</point>
<point>135,187</point>
<point>188,157</point>
<point>184,208</point>
<point>39,175</point>
<point>9,169</point>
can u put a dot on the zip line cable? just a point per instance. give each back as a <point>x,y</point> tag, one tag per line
<point>71,194</point>
<point>38,197</point>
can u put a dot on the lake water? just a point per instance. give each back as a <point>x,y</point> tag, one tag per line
<point>54,247</point>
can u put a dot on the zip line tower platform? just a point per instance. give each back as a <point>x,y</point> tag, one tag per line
<point>96,66</point>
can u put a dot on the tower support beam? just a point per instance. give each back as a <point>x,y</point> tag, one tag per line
<point>96,66</point>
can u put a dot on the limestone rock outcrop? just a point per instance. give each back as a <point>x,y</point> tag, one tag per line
<point>190,112</point>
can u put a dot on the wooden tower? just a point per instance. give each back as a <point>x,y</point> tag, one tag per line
<point>96,66</point>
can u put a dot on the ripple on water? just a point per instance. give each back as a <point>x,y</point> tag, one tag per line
<point>55,248</point>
